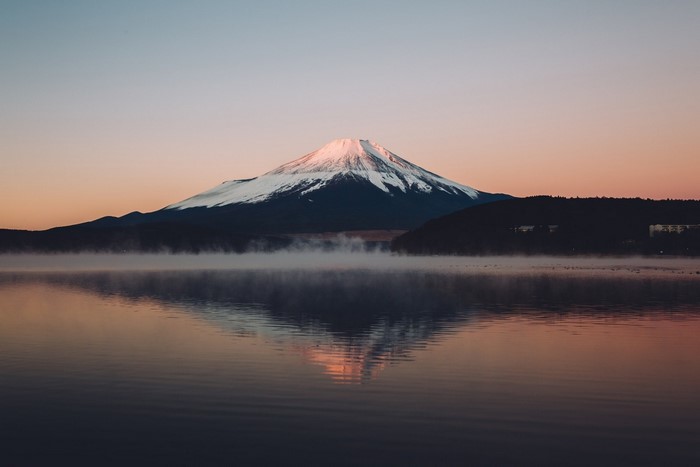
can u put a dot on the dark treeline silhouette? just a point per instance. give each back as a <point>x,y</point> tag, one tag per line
<point>536,225</point>
<point>556,225</point>
<point>155,237</point>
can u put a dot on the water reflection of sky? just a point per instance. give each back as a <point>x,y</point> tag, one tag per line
<point>355,323</point>
<point>209,366</point>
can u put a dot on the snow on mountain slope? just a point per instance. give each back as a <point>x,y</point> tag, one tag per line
<point>341,159</point>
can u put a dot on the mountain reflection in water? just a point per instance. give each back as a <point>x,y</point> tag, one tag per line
<point>354,323</point>
<point>436,368</point>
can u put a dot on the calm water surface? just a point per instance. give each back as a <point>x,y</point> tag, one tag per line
<point>348,366</point>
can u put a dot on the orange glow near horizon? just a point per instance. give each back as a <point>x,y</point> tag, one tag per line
<point>65,195</point>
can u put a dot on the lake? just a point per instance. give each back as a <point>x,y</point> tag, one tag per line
<point>363,359</point>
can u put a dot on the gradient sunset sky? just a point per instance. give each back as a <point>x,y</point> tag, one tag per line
<point>113,106</point>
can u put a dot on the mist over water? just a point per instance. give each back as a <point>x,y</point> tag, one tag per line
<point>346,358</point>
<point>356,255</point>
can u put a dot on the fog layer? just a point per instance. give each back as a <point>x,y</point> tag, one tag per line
<point>687,267</point>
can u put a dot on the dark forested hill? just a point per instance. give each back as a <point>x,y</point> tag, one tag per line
<point>155,237</point>
<point>551,225</point>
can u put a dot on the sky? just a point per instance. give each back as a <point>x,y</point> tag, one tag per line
<point>113,107</point>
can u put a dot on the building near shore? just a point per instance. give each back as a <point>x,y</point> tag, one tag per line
<point>656,229</point>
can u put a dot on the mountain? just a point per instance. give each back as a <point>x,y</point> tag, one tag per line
<point>341,161</point>
<point>347,185</point>
<point>555,225</point>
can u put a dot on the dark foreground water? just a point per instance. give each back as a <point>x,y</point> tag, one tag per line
<point>348,366</point>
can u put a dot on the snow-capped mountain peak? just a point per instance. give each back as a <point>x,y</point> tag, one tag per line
<point>345,155</point>
<point>340,160</point>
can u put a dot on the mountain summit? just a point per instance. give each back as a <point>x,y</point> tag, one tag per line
<point>341,159</point>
